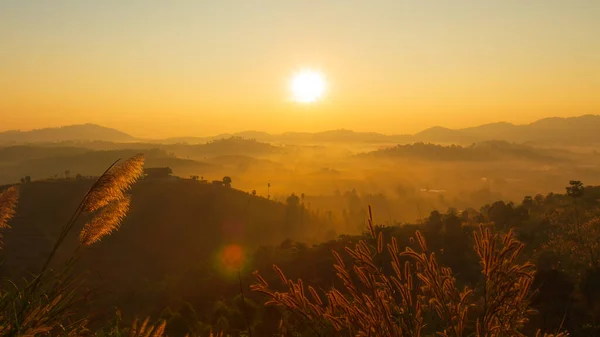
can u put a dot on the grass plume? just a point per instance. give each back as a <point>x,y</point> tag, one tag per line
<point>8,205</point>
<point>107,198</point>
<point>419,297</point>
<point>144,329</point>
<point>114,183</point>
<point>106,221</point>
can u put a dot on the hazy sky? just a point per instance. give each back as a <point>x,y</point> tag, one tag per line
<point>165,68</point>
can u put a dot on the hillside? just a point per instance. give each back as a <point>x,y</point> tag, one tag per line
<point>582,130</point>
<point>483,151</point>
<point>57,162</point>
<point>83,132</point>
<point>223,146</point>
<point>173,227</point>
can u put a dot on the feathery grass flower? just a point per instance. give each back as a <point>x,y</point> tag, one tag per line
<point>8,205</point>
<point>107,220</point>
<point>114,183</point>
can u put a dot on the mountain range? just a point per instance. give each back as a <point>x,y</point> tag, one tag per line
<point>582,130</point>
<point>81,132</point>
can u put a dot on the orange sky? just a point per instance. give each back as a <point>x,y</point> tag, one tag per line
<point>159,69</point>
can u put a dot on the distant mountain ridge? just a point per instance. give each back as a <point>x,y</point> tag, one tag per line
<point>571,130</point>
<point>556,130</point>
<point>80,132</point>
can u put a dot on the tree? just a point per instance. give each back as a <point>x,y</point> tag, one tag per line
<point>499,213</point>
<point>254,192</point>
<point>67,174</point>
<point>292,211</point>
<point>575,189</point>
<point>434,224</point>
<point>539,199</point>
<point>293,201</point>
<point>527,201</point>
<point>227,181</point>
<point>27,179</point>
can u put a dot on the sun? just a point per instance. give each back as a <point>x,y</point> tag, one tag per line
<point>307,86</point>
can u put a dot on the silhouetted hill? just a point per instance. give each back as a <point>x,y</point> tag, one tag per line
<point>83,132</point>
<point>226,146</point>
<point>18,153</point>
<point>174,226</point>
<point>438,134</point>
<point>489,150</point>
<point>582,130</point>
<point>52,162</point>
<point>296,137</point>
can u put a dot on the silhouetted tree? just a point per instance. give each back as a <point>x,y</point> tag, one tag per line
<point>293,201</point>
<point>227,181</point>
<point>434,224</point>
<point>527,201</point>
<point>292,212</point>
<point>539,199</point>
<point>498,213</point>
<point>575,189</point>
<point>464,216</point>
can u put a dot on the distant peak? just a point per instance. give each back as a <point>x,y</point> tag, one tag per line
<point>75,132</point>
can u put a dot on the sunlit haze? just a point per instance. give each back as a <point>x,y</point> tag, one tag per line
<point>194,68</point>
<point>307,86</point>
<point>300,168</point>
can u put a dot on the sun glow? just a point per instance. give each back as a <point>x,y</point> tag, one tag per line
<point>307,86</point>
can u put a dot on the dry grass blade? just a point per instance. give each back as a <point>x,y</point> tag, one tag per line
<point>113,185</point>
<point>146,329</point>
<point>506,284</point>
<point>8,205</point>
<point>106,221</point>
<point>560,334</point>
<point>419,294</point>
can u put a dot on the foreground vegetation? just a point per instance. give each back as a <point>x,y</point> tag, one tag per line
<point>505,270</point>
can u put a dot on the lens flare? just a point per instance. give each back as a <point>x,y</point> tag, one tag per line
<point>231,258</point>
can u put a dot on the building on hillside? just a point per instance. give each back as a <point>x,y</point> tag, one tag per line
<point>158,172</point>
<point>217,182</point>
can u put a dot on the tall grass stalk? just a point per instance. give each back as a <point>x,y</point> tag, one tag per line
<point>45,306</point>
<point>418,297</point>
